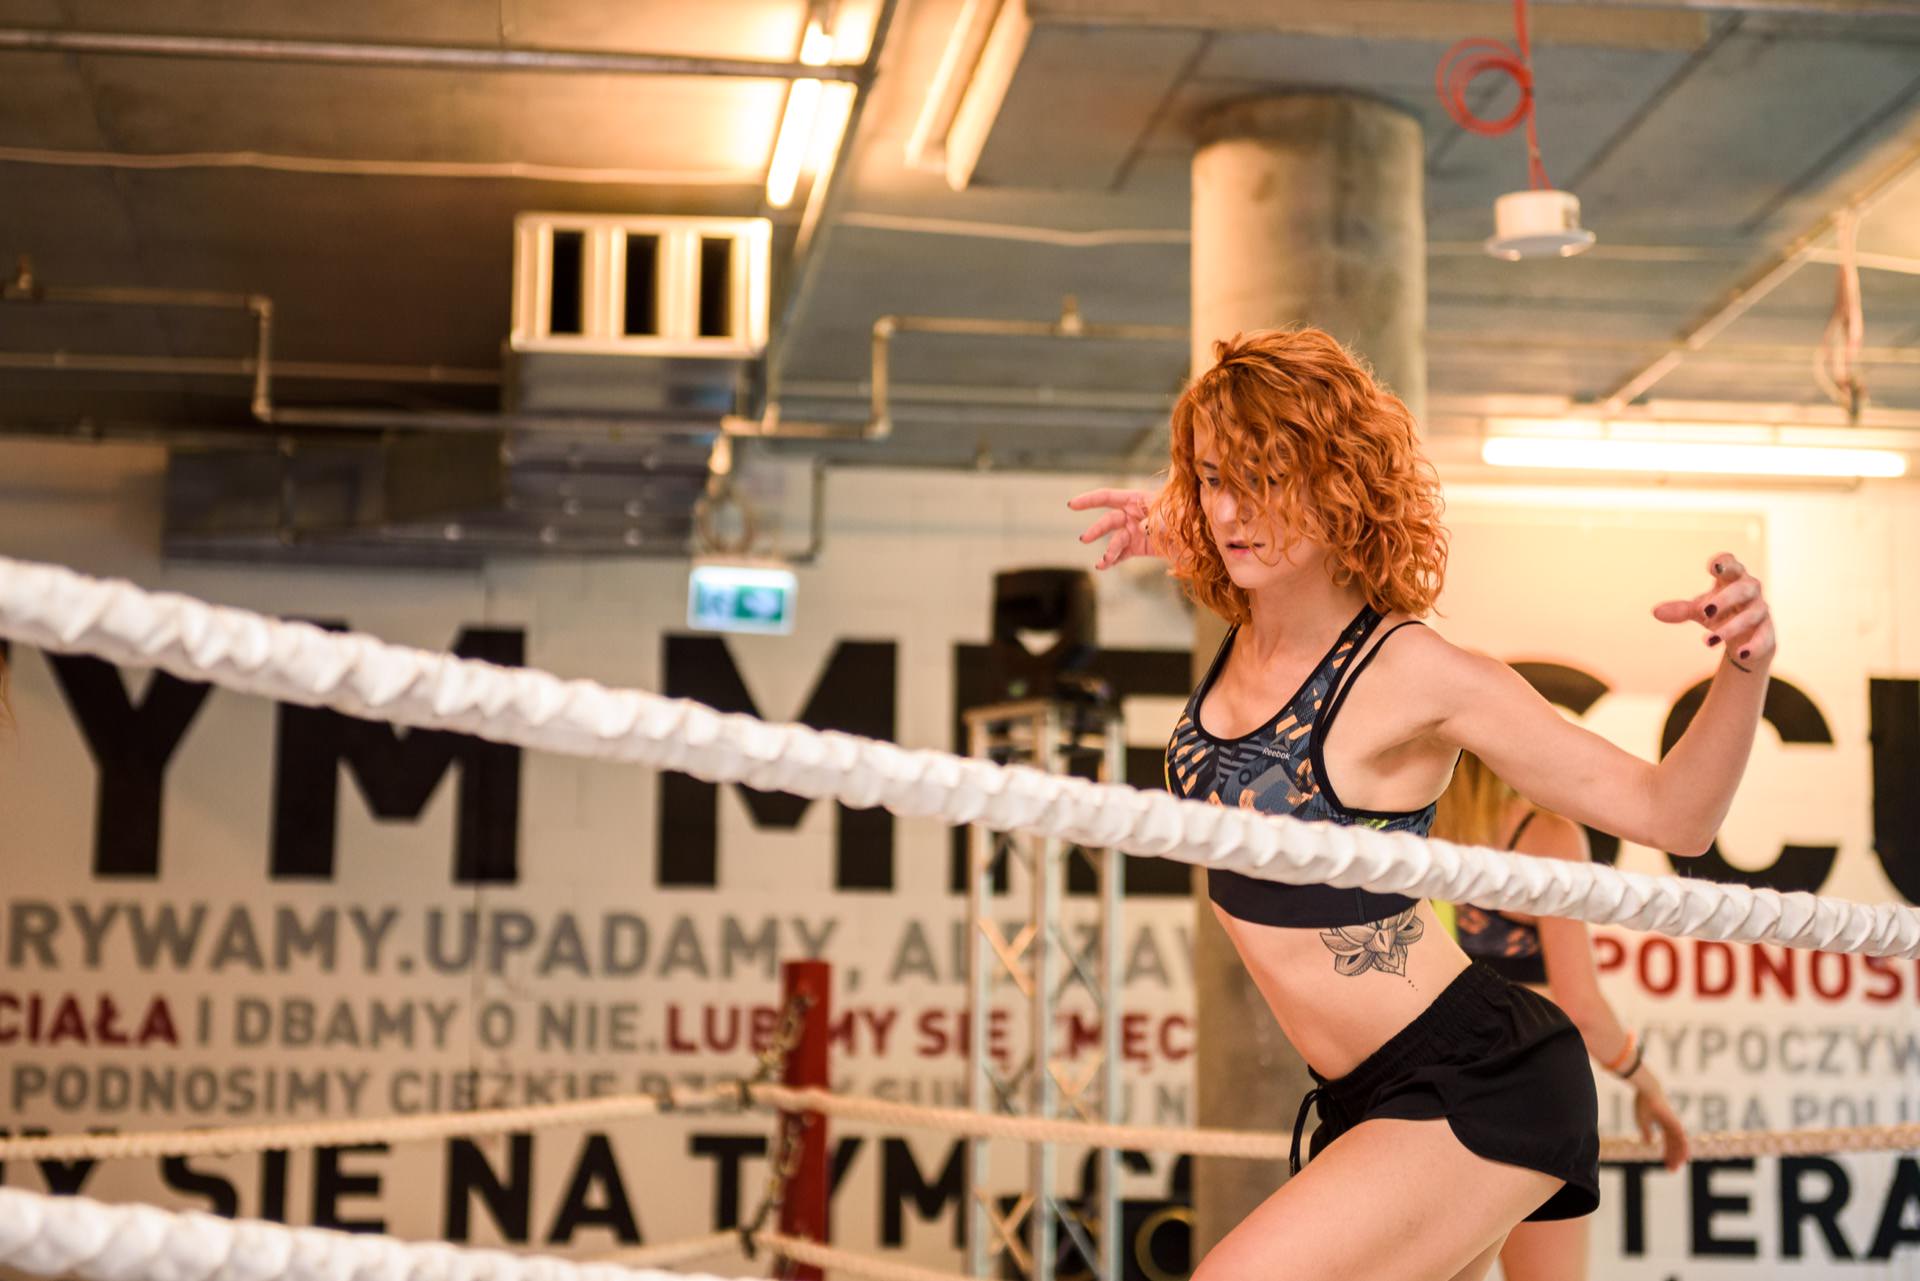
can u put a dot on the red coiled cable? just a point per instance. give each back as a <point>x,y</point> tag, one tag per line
<point>1474,57</point>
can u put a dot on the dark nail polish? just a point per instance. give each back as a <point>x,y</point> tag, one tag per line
<point>1712,641</point>
<point>1746,653</point>
<point>1716,567</point>
<point>1712,610</point>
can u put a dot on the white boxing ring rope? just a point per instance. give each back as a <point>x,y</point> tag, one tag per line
<point>62,1236</point>
<point>296,662</point>
<point>75,1236</point>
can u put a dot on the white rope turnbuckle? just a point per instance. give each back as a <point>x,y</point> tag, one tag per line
<point>296,662</point>
<point>62,1236</point>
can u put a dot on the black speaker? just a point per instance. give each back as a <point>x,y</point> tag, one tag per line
<point>1055,601</point>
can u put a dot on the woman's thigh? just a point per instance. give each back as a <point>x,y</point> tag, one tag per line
<point>1553,1251</point>
<point>1387,1198</point>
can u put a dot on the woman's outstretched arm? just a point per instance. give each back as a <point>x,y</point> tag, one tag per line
<point>1485,707</point>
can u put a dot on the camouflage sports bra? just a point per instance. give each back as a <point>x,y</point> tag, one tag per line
<point>1510,947</point>
<point>1277,769</point>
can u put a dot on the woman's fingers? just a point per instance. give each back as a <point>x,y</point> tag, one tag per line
<point>1729,598</point>
<point>1116,549</point>
<point>1733,611</point>
<point>1755,647</point>
<point>1743,624</point>
<point>1105,525</point>
<point>1102,498</point>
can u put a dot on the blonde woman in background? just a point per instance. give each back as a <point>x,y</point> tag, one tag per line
<point>1550,955</point>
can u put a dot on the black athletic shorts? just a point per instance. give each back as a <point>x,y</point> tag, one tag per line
<point>1503,1065</point>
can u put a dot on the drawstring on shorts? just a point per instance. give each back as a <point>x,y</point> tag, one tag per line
<point>1299,1128</point>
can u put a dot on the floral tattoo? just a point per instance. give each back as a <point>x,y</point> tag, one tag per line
<point>1378,945</point>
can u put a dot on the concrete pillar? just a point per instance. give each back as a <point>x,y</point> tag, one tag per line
<point>1307,209</point>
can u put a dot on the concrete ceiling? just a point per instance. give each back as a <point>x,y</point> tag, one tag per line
<point>1702,139</point>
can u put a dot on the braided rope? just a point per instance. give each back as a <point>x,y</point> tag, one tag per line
<point>861,1265</point>
<point>1249,1144</point>
<point>296,662</point>
<point>1716,1144</point>
<point>669,1253</point>
<point>381,1129</point>
<point>58,1236</point>
<point>1267,1145</point>
<point>1255,1145</point>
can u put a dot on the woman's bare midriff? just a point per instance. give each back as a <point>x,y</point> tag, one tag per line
<point>1336,1020</point>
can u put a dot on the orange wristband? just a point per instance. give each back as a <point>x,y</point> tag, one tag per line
<point>1620,1060</point>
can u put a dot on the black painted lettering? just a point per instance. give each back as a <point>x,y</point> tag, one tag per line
<point>596,1198</point>
<point>901,1180</point>
<point>220,1197</point>
<point>397,772</point>
<point>1709,1203</point>
<point>507,1198</point>
<point>1900,1218</point>
<point>1894,718</point>
<point>131,746</point>
<point>856,694</point>
<point>1633,1209</point>
<point>729,1153</point>
<point>331,1182</point>
<point>1796,1206</point>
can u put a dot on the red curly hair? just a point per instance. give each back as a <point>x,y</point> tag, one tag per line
<point>1305,434</point>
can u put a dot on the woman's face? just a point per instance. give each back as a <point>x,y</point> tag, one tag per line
<point>1259,551</point>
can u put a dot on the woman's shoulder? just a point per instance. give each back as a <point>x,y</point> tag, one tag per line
<point>1414,649</point>
<point>1551,835</point>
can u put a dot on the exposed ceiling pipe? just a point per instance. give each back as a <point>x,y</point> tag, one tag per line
<point>1070,325</point>
<point>428,57</point>
<point>353,418</point>
<point>1770,277</point>
<point>24,288</point>
<point>243,367</point>
<point>879,423</point>
<point>95,431</point>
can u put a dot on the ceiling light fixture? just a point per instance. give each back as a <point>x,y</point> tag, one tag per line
<point>1687,449</point>
<point>1540,222</point>
<point>796,125</point>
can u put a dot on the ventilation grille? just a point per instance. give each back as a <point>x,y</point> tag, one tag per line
<point>640,286</point>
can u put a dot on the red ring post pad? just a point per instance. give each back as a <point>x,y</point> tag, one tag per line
<point>803,1212</point>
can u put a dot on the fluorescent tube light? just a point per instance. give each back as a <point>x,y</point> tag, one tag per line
<point>796,126</point>
<point>1702,457</point>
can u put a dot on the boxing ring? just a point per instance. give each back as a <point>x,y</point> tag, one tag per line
<point>60,610</point>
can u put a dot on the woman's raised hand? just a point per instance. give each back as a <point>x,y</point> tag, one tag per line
<point>1126,520</point>
<point>1733,612</point>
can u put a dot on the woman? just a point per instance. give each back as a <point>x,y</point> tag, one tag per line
<point>1549,952</point>
<point>1300,508</point>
